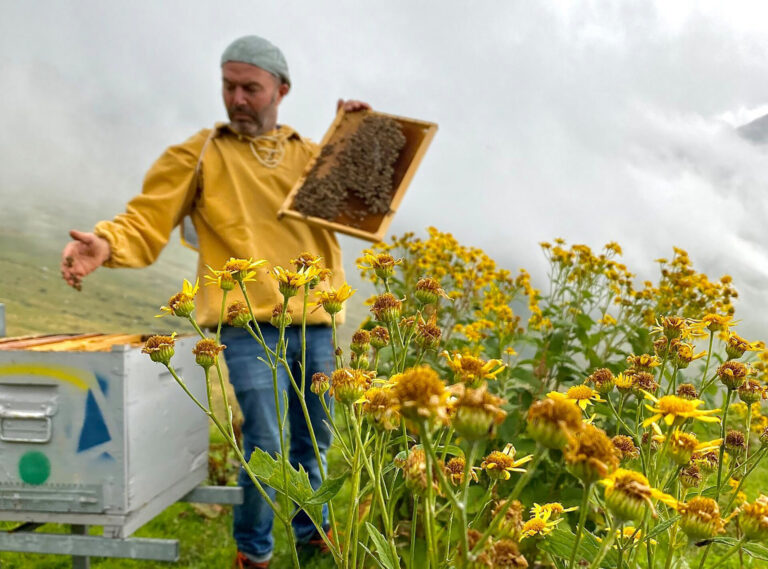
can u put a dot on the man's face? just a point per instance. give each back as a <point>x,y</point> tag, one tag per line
<point>251,96</point>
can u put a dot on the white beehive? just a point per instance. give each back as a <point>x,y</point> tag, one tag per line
<point>93,432</point>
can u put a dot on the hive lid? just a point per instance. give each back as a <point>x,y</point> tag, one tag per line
<point>93,342</point>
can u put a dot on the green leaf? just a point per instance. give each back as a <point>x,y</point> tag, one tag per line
<point>328,489</point>
<point>475,499</point>
<point>663,526</point>
<point>294,485</point>
<point>756,550</point>
<point>560,543</point>
<point>584,321</point>
<point>386,557</point>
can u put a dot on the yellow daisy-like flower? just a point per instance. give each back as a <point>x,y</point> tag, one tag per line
<point>538,525</point>
<point>289,282</point>
<point>499,464</point>
<point>624,383</point>
<point>582,395</point>
<point>183,303</point>
<point>631,532</point>
<point>627,493</point>
<point>683,445</point>
<point>382,264</point>
<point>243,270</point>
<point>332,300</point>
<point>672,408</point>
<point>470,369</point>
<point>306,260</point>
<point>736,346</point>
<point>716,322</point>
<point>553,510</point>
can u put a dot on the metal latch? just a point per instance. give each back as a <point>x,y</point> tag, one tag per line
<point>26,411</point>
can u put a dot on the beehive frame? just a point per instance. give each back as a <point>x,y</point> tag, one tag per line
<point>372,227</point>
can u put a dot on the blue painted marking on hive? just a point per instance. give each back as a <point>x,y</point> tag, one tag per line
<point>103,383</point>
<point>95,429</point>
<point>105,456</point>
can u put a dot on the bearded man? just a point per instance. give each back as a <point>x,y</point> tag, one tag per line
<point>229,182</point>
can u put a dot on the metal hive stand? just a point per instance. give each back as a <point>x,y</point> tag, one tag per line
<point>81,547</point>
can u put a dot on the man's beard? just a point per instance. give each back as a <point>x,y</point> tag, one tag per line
<point>251,127</point>
<point>255,125</point>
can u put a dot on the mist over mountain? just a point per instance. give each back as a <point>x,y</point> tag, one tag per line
<point>756,130</point>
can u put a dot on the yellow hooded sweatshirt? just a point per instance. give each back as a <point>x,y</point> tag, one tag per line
<point>233,205</point>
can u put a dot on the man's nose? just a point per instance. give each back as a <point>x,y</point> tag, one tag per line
<point>239,96</point>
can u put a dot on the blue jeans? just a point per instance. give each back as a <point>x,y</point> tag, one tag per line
<point>253,384</point>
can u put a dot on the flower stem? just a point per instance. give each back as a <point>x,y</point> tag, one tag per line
<point>722,443</point>
<point>580,527</point>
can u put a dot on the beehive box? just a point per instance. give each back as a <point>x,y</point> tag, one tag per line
<point>93,432</point>
<point>371,226</point>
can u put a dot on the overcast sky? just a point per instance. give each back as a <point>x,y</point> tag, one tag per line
<point>593,121</point>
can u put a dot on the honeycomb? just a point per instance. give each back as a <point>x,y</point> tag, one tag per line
<point>362,168</point>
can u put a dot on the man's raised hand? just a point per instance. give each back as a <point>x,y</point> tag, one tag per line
<point>86,253</point>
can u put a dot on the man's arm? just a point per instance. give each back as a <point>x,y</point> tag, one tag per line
<point>136,238</point>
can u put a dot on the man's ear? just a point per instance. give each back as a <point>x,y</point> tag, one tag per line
<point>283,89</point>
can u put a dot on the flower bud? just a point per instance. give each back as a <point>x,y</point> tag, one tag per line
<point>687,391</point>
<point>428,291</point>
<point>700,518</point>
<point>320,383</point>
<point>386,308</point>
<point>379,337</point>
<point>361,342</point>
<point>206,352</point>
<point>238,314</point>
<point>732,374</point>
<point>359,361</point>
<point>280,320</point>
<point>160,348</point>
<point>690,476</point>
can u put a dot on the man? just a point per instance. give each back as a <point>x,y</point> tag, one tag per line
<point>231,181</point>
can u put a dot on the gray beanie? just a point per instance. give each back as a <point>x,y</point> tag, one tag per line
<point>259,52</point>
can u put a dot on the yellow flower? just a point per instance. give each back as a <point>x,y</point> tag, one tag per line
<point>160,348</point>
<point>382,264</point>
<point>183,303</point>
<point>349,385</point>
<point>455,468</point>
<point>552,509</point>
<point>383,409</point>
<point>289,282</point>
<point>476,411</point>
<point>421,394</point>
<point>243,270</point>
<point>590,454</point>
<point>306,260</point>
<point>538,525</point>
<point>716,322</point>
<point>672,408</point>
<point>500,464</point>
<point>627,493</point>
<point>552,422</point>
<point>472,370</point>
<point>700,518</point>
<point>753,519</point>
<point>624,382</point>
<point>736,346</point>
<point>332,300</point>
<point>207,352</point>
<point>582,395</point>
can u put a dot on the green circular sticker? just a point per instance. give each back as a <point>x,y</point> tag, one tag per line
<point>34,468</point>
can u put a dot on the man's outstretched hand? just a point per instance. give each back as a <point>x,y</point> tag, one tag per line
<point>352,106</point>
<point>86,253</point>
